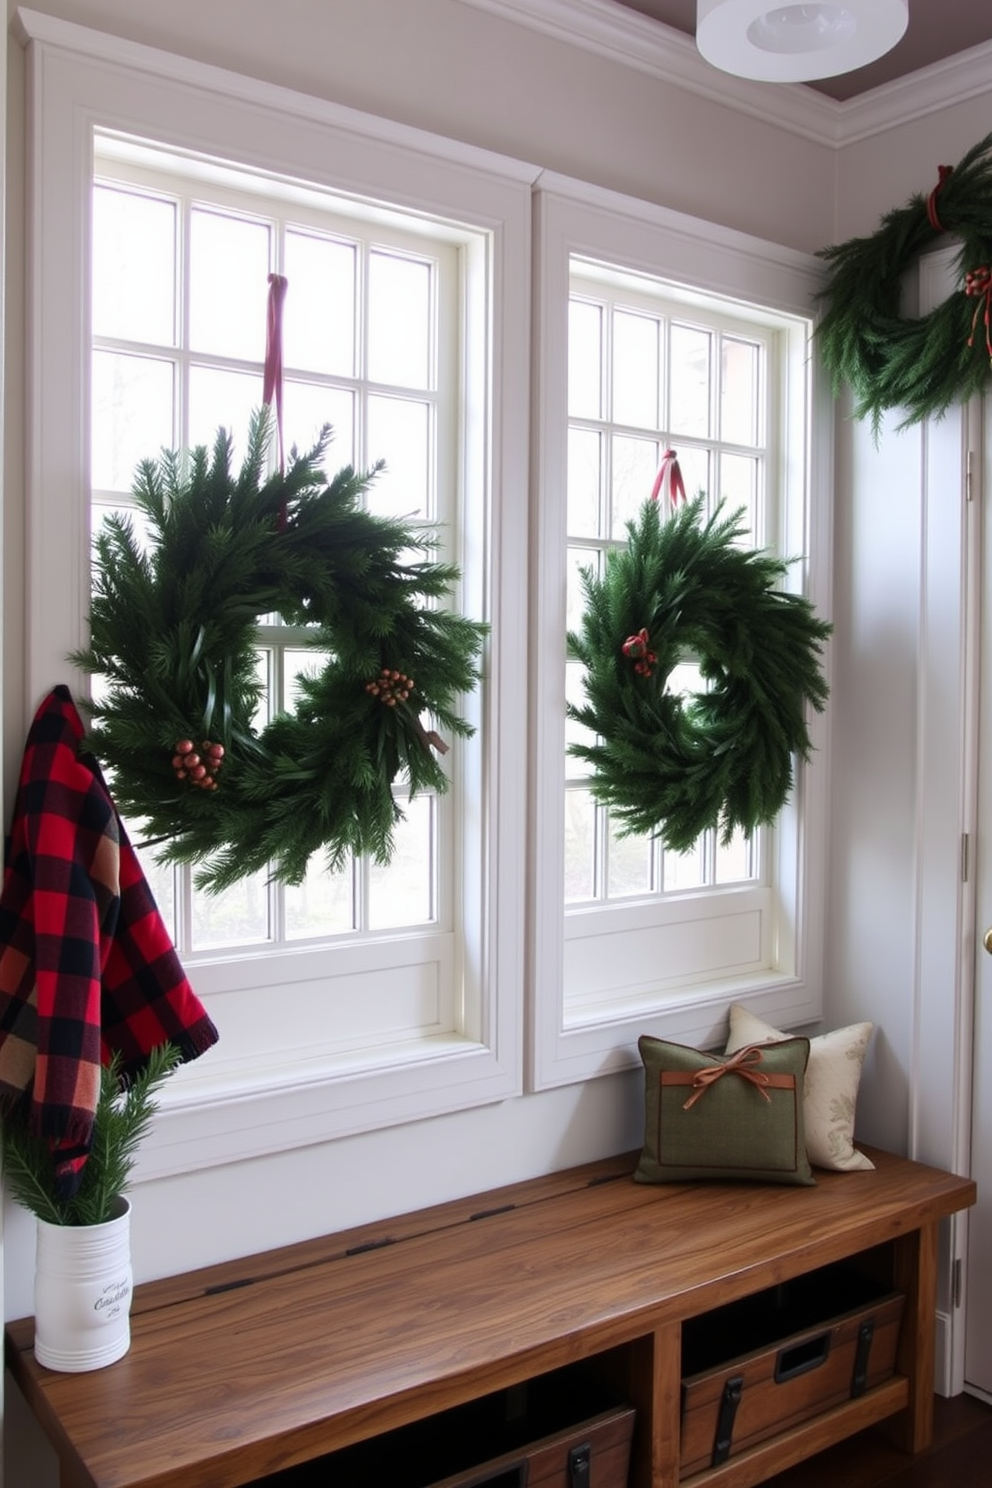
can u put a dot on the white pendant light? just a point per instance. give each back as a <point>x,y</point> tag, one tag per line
<point>795,43</point>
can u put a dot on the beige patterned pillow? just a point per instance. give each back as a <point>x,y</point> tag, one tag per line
<point>833,1075</point>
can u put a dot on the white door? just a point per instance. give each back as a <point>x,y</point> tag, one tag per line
<point>978,1324</point>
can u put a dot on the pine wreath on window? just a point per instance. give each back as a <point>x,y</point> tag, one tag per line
<point>174,640</point>
<point>673,765</point>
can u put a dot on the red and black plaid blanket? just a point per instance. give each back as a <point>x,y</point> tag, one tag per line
<point>87,966</point>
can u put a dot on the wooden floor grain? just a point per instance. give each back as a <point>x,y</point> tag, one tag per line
<point>961,1456</point>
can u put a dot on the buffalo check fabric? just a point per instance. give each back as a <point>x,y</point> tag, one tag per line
<point>87,966</point>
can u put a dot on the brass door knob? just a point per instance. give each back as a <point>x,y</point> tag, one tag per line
<point>987,940</point>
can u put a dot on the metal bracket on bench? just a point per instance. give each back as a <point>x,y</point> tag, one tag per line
<point>859,1379</point>
<point>729,1401</point>
<point>580,1466</point>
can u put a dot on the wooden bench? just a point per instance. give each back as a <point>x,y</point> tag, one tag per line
<point>238,1370</point>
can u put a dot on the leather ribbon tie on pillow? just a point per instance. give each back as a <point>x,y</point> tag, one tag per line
<point>742,1063</point>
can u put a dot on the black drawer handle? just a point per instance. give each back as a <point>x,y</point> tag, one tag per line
<point>801,1357</point>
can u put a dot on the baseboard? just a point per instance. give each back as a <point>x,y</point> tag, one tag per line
<point>942,1370</point>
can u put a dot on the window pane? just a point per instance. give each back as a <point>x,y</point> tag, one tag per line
<point>576,733</point>
<point>160,877</point>
<point>319,310</point>
<point>635,465</point>
<point>132,416</point>
<point>585,343</point>
<point>134,266</point>
<point>629,865</point>
<point>739,392</point>
<point>399,433</point>
<point>734,862</point>
<point>307,407</point>
<point>690,380</point>
<point>584,476</point>
<point>299,661</point>
<point>739,488</point>
<point>399,316</point>
<point>402,892</point>
<point>238,916</point>
<point>636,381</point>
<point>685,870</point>
<point>229,285</point>
<point>140,524</point>
<point>695,467</point>
<point>580,846</point>
<point>222,400</point>
<point>577,560</point>
<point>323,904</point>
<point>684,677</point>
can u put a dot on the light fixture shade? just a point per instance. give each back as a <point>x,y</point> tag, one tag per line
<point>798,42</point>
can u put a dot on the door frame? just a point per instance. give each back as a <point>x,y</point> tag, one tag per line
<point>946,816</point>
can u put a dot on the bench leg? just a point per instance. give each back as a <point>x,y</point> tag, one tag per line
<point>655,1390</point>
<point>915,1274</point>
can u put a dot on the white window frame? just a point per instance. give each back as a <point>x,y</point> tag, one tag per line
<point>218,1109</point>
<point>576,221</point>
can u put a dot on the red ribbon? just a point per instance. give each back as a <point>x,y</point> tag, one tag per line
<point>743,1063</point>
<point>272,380</point>
<point>943,171</point>
<point>669,479</point>
<point>978,283</point>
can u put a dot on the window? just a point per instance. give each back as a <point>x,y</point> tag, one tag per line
<point>180,268</point>
<point>646,374</point>
<point>639,356</point>
<point>378,995</point>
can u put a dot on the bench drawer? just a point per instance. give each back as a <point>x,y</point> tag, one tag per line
<point>594,1454</point>
<point>758,1367</point>
<point>555,1431</point>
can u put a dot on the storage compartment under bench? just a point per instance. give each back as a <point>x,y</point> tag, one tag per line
<point>559,1430</point>
<point>758,1366</point>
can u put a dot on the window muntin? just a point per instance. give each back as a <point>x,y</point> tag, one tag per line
<point>646,373</point>
<point>376,359</point>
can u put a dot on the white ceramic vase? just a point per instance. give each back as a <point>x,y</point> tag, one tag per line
<point>82,1293</point>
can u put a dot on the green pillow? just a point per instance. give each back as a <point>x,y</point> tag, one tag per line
<point>724,1116</point>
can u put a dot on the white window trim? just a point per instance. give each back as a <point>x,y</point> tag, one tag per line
<point>574,219</point>
<point>79,80</point>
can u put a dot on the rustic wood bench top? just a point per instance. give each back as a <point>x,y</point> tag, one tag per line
<point>240,1369</point>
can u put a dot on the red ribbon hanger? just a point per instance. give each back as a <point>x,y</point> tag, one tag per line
<point>272,380</point>
<point>669,480</point>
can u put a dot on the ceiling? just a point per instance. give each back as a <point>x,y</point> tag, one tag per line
<point>937,29</point>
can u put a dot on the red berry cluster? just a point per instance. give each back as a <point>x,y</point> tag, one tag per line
<point>636,649</point>
<point>198,768</point>
<point>391,687</point>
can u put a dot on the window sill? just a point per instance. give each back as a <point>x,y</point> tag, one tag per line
<point>209,1115</point>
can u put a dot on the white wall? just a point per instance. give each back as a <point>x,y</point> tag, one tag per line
<point>461,71</point>
<point>873,718</point>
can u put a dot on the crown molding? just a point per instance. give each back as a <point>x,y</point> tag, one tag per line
<point>952,80</point>
<point>632,40</point>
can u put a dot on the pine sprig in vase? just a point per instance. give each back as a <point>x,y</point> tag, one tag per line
<point>121,1122</point>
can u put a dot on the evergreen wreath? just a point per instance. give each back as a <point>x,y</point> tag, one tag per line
<point>920,365</point>
<point>174,635</point>
<point>671,765</point>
